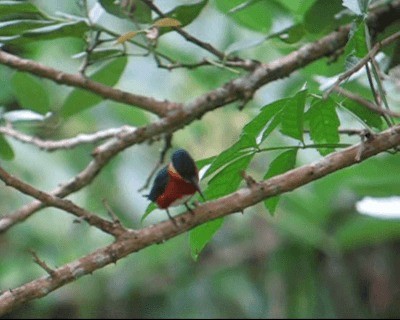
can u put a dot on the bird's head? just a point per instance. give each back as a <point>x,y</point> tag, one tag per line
<point>183,164</point>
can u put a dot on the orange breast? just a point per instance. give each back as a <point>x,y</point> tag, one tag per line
<point>176,189</point>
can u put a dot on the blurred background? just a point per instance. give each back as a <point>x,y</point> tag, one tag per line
<point>317,256</point>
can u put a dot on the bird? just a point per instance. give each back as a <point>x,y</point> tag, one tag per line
<point>176,182</point>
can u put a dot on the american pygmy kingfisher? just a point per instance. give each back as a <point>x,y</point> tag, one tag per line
<point>176,183</point>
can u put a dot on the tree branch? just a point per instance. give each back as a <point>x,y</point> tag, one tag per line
<point>366,103</point>
<point>77,80</point>
<point>46,199</point>
<point>235,202</point>
<point>52,145</point>
<point>363,61</point>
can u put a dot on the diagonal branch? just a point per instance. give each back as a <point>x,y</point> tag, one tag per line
<point>114,229</point>
<point>371,54</point>
<point>77,80</point>
<point>366,103</point>
<point>235,202</point>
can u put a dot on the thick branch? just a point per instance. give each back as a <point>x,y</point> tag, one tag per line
<point>232,203</point>
<point>79,81</point>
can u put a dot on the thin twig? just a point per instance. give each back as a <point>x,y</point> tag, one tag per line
<point>66,205</point>
<point>366,103</point>
<point>53,145</point>
<point>363,61</point>
<point>187,36</point>
<point>167,146</point>
<point>110,212</point>
<point>41,263</point>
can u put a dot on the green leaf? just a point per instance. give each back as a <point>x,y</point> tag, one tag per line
<point>357,44</point>
<point>135,10</point>
<point>320,17</point>
<point>185,14</point>
<point>150,208</point>
<point>201,235</point>
<point>243,146</point>
<point>324,124</point>
<point>16,8</point>
<point>255,15</point>
<point>362,231</point>
<point>370,118</point>
<point>6,152</point>
<point>292,116</point>
<point>79,100</point>
<point>65,29</point>
<point>228,179</point>
<point>17,27</point>
<point>282,163</point>
<point>292,34</point>
<point>298,7</point>
<point>30,92</point>
<point>263,123</point>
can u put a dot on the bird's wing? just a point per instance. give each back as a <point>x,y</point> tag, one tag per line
<point>159,185</point>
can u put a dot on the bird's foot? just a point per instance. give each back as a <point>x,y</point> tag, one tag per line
<point>189,208</point>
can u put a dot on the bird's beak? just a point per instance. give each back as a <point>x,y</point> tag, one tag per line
<point>197,186</point>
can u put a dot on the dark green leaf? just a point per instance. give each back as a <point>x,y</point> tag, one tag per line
<point>228,179</point>
<point>17,27</point>
<point>204,162</point>
<point>200,236</point>
<point>292,116</point>
<point>282,163</point>
<point>357,44</point>
<point>30,92</point>
<point>135,10</point>
<point>243,146</point>
<point>150,208</point>
<point>271,115</point>
<point>16,8</point>
<point>79,100</point>
<point>255,15</point>
<point>64,29</point>
<point>275,121</point>
<point>370,118</point>
<point>292,34</point>
<point>297,7</point>
<point>263,123</point>
<point>320,17</point>
<point>185,14</point>
<point>324,124</point>
<point>6,152</point>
